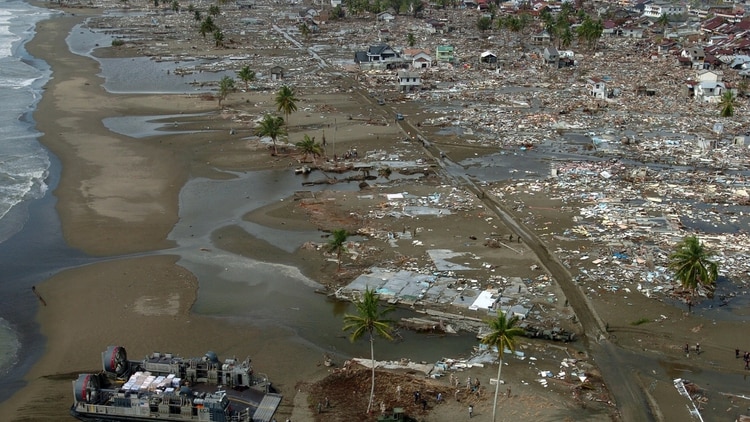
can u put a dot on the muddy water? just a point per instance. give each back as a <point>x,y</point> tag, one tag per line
<point>274,295</point>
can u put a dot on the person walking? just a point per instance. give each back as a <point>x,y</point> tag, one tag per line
<point>471,411</point>
<point>697,348</point>
<point>687,350</point>
<point>439,397</point>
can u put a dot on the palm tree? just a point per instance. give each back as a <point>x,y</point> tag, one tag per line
<point>410,39</point>
<point>338,244</point>
<point>246,75</point>
<point>663,20</point>
<point>308,146</point>
<point>271,126</point>
<point>726,105</point>
<point>503,333</point>
<point>304,30</point>
<point>214,10</point>
<point>286,102</point>
<point>370,320</point>
<point>219,38</point>
<point>226,85</point>
<point>692,265</point>
<point>207,26</point>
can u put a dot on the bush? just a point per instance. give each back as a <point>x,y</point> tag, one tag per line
<point>640,321</point>
<point>117,42</point>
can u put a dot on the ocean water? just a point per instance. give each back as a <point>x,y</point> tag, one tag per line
<point>24,163</point>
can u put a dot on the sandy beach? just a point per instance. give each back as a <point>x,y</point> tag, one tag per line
<point>118,198</point>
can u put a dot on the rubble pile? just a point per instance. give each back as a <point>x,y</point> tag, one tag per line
<point>635,215</point>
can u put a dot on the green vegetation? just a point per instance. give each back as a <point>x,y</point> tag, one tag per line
<point>641,321</point>
<point>286,102</point>
<point>226,85</point>
<point>692,265</point>
<point>246,75</point>
<point>369,320</point>
<point>503,333</point>
<point>271,126</point>
<point>308,147</point>
<point>338,244</point>
<point>726,105</point>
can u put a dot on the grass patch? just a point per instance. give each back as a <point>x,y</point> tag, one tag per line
<point>640,321</point>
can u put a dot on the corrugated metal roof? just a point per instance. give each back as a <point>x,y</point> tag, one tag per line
<point>266,408</point>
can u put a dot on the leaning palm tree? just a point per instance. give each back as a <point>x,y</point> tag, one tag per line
<point>226,85</point>
<point>726,105</point>
<point>286,102</point>
<point>308,147</point>
<point>338,244</point>
<point>503,333</point>
<point>271,126</point>
<point>370,320</point>
<point>692,265</point>
<point>246,75</point>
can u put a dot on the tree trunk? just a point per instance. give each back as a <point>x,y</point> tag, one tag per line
<point>372,361</point>
<point>497,384</point>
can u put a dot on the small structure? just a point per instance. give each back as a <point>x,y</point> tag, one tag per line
<point>420,59</point>
<point>541,38</point>
<point>277,73</point>
<point>551,56</point>
<point>444,53</point>
<point>408,81</point>
<point>696,55</point>
<point>708,86</point>
<point>385,17</point>
<point>488,57</point>
<point>596,88</point>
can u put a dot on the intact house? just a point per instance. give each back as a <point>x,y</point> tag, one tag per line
<point>419,58</point>
<point>408,81</point>
<point>444,53</point>
<point>541,38</point>
<point>657,10</point>
<point>551,56</point>
<point>597,88</point>
<point>696,55</point>
<point>378,56</point>
<point>708,86</point>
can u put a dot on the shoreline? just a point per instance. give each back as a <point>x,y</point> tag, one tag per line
<point>79,320</point>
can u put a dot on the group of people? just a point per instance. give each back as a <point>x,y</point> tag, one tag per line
<point>697,349</point>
